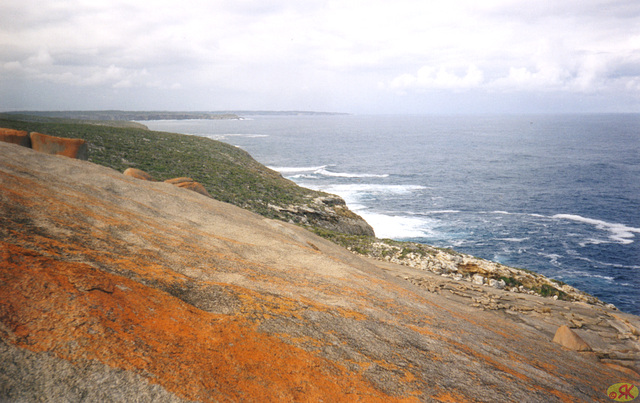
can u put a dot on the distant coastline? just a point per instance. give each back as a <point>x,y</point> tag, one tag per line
<point>116,115</point>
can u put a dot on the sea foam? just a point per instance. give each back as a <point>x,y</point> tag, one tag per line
<point>303,172</point>
<point>619,233</point>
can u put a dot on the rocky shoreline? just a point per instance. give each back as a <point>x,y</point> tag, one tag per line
<point>466,268</point>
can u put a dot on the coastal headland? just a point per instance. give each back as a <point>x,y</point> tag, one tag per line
<point>116,288</point>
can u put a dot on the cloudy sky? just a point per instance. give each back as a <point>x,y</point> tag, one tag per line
<point>369,56</point>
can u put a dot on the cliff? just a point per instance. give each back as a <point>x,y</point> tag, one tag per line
<point>227,173</point>
<point>114,288</point>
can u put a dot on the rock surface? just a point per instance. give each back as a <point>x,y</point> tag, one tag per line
<point>72,148</point>
<point>567,338</point>
<point>190,184</point>
<point>329,212</point>
<point>19,137</point>
<point>138,174</point>
<point>117,289</point>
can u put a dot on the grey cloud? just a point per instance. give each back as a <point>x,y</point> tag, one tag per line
<point>278,53</point>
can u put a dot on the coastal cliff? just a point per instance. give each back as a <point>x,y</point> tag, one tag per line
<point>115,288</point>
<point>227,173</point>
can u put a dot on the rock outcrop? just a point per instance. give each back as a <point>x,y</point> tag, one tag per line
<point>190,184</point>
<point>19,137</point>
<point>138,174</point>
<point>72,148</point>
<point>118,289</point>
<point>568,339</point>
<point>44,143</point>
<point>329,212</point>
<point>182,182</point>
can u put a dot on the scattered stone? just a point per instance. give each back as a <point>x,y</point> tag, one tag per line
<point>569,339</point>
<point>72,148</point>
<point>138,174</point>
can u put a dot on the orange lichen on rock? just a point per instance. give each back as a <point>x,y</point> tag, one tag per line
<point>19,137</point>
<point>138,174</point>
<point>188,183</point>
<point>72,148</point>
<point>49,304</point>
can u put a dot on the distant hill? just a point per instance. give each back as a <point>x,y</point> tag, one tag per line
<point>113,115</point>
<point>128,115</point>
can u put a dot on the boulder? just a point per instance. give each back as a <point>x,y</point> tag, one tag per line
<point>188,183</point>
<point>73,148</point>
<point>13,136</point>
<point>569,339</point>
<point>478,279</point>
<point>138,174</point>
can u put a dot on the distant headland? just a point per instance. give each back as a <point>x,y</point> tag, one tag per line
<point>117,115</point>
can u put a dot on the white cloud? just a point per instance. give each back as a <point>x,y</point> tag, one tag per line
<point>429,77</point>
<point>330,52</point>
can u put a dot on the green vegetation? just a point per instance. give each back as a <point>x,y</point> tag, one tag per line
<point>361,244</point>
<point>92,116</point>
<point>549,291</point>
<point>228,173</point>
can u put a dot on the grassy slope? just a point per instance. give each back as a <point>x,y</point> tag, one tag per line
<point>228,173</point>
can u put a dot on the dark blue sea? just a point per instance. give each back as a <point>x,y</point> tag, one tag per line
<point>557,194</point>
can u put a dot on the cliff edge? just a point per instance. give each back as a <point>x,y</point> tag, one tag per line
<point>227,173</point>
<point>114,288</point>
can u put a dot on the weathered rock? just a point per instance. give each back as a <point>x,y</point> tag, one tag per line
<point>478,279</point>
<point>328,212</point>
<point>73,148</point>
<point>499,284</point>
<point>156,293</point>
<point>190,184</point>
<point>19,137</point>
<point>138,174</point>
<point>569,339</point>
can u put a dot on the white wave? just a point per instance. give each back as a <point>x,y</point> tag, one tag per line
<point>591,275</point>
<point>513,239</point>
<point>398,227</point>
<point>593,241</point>
<point>619,233</point>
<point>355,193</point>
<point>442,212</point>
<point>286,170</point>
<point>227,135</point>
<point>553,258</point>
<point>249,135</point>
<point>325,172</point>
<point>371,188</point>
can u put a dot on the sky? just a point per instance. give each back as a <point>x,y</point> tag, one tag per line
<point>362,57</point>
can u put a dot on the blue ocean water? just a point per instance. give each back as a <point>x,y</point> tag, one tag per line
<point>557,194</point>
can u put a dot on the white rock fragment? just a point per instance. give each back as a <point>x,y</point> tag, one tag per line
<point>478,279</point>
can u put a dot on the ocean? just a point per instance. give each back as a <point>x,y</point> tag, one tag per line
<point>557,194</point>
